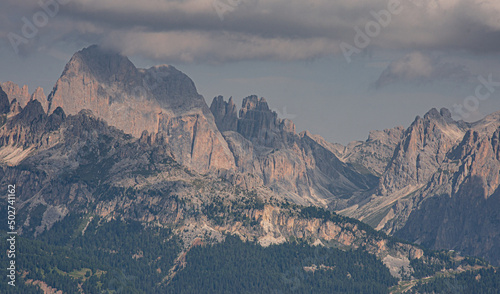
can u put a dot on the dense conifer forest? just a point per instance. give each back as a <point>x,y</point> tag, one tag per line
<point>121,256</point>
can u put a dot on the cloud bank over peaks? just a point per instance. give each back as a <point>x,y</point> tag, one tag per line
<point>199,31</point>
<point>419,68</point>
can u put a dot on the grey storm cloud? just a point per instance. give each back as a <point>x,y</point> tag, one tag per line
<point>419,68</point>
<point>199,31</point>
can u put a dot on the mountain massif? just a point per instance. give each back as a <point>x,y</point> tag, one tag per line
<point>112,142</point>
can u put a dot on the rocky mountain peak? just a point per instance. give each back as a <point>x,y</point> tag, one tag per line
<point>4,102</point>
<point>253,103</point>
<point>172,88</point>
<point>445,112</point>
<point>33,111</point>
<point>21,95</point>
<point>56,119</point>
<point>443,116</point>
<point>433,114</point>
<point>95,79</point>
<point>160,99</point>
<point>105,65</point>
<point>15,108</point>
<point>13,91</point>
<point>256,121</point>
<point>113,78</point>
<point>468,145</point>
<point>422,149</point>
<point>375,153</point>
<point>40,96</point>
<point>225,114</point>
<point>392,136</point>
<point>488,124</point>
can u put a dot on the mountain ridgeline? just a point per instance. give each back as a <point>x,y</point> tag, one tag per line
<point>116,150</point>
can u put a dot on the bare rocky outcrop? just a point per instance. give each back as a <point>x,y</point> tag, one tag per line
<point>21,94</point>
<point>225,114</point>
<point>262,126</point>
<point>376,152</point>
<point>160,100</point>
<point>80,164</point>
<point>40,96</point>
<point>459,206</point>
<point>4,102</point>
<point>422,149</point>
<point>299,166</point>
<point>108,127</point>
<point>14,108</point>
<point>441,187</point>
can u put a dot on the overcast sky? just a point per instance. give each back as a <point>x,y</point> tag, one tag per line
<point>337,68</point>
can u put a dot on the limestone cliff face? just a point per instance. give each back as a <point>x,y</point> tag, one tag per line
<point>160,100</point>
<point>439,179</point>
<point>28,132</point>
<point>225,114</point>
<point>279,225</point>
<point>95,79</point>
<point>262,126</point>
<point>292,164</point>
<point>422,149</point>
<point>15,108</point>
<point>21,94</point>
<point>420,152</point>
<point>82,165</point>
<point>441,188</point>
<point>376,152</point>
<point>40,96</point>
<point>459,207</point>
<point>436,182</point>
<point>4,102</point>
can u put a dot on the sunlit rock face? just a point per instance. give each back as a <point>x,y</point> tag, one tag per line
<point>161,100</point>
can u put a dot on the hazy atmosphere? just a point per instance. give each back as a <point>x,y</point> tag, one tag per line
<point>337,68</point>
<point>248,146</point>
